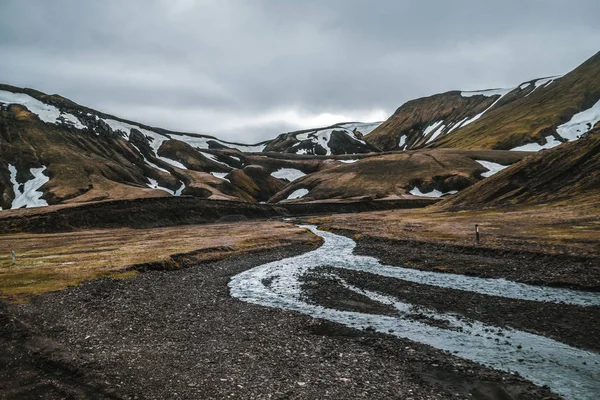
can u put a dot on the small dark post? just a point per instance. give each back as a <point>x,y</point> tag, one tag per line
<point>14,257</point>
<point>477,233</point>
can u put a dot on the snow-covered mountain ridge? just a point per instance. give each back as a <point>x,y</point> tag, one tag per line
<point>534,115</point>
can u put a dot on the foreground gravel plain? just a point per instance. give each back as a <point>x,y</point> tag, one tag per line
<point>179,334</point>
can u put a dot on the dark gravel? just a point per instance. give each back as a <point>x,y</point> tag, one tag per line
<point>570,324</point>
<point>576,272</point>
<point>179,335</point>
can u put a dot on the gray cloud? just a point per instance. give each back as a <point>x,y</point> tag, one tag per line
<point>247,70</point>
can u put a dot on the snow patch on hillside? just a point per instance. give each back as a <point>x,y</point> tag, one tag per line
<point>458,124</point>
<point>291,174</point>
<point>172,162</point>
<point>180,190</point>
<point>580,123</point>
<point>492,167</point>
<point>436,133</point>
<point>214,158</point>
<point>348,161</point>
<point>221,175</point>
<point>155,143</point>
<point>46,112</point>
<point>550,143</point>
<point>154,185</point>
<point>297,194</point>
<point>148,161</point>
<point>431,127</point>
<point>30,195</point>
<point>434,193</point>
<point>578,126</point>
<point>544,82</point>
<point>401,141</point>
<point>475,118</point>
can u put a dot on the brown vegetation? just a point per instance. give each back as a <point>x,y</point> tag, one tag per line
<point>49,262</point>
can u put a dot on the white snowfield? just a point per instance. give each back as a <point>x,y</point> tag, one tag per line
<point>46,112</point>
<point>580,123</point>
<point>434,193</point>
<point>457,125</point>
<point>291,174</point>
<point>492,167</point>
<point>550,143</point>
<point>431,127</point>
<point>436,133</point>
<point>154,185</point>
<point>221,175</point>
<point>297,194</point>
<point>348,161</point>
<point>30,194</point>
<point>575,129</point>
<point>401,142</point>
<point>215,159</point>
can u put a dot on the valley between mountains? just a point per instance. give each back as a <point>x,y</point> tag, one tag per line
<point>451,251</point>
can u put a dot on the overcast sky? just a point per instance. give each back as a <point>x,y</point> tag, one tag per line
<point>247,70</point>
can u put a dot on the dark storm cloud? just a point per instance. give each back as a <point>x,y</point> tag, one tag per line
<point>248,69</point>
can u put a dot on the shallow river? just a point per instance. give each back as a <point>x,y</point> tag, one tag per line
<point>568,371</point>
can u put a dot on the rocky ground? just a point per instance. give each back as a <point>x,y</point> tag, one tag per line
<point>558,270</point>
<point>179,334</point>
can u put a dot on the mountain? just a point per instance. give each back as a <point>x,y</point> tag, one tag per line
<point>568,174</point>
<point>422,173</point>
<point>55,151</point>
<point>342,138</point>
<point>536,114</point>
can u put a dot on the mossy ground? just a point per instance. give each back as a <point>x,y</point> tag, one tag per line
<point>49,262</point>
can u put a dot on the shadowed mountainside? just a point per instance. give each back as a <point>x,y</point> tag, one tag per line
<point>568,173</point>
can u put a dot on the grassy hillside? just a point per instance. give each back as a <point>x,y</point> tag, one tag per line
<point>392,175</point>
<point>492,119</point>
<point>531,118</point>
<point>412,118</point>
<point>569,173</point>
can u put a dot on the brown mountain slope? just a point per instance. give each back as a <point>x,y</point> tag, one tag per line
<point>411,120</point>
<point>84,166</point>
<point>534,117</point>
<point>393,175</point>
<point>492,119</point>
<point>77,165</point>
<point>569,174</point>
